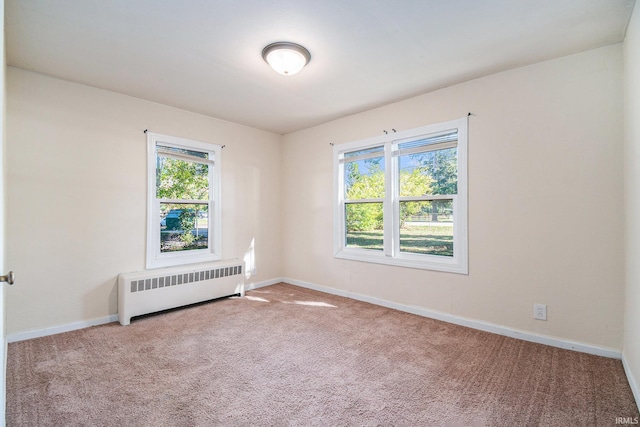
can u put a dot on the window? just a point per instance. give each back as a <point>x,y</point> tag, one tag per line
<point>183,213</point>
<point>401,198</point>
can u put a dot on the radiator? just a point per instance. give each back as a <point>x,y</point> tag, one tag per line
<point>149,291</point>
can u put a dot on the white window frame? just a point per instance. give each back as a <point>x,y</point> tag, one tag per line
<point>155,258</point>
<point>391,254</point>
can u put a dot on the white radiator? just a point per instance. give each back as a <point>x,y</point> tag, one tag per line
<point>149,291</point>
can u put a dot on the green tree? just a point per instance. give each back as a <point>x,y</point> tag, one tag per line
<point>416,183</point>
<point>187,222</point>
<point>442,167</point>
<point>179,179</point>
<point>365,216</point>
<point>369,216</point>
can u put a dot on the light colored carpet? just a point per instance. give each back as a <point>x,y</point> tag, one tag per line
<point>284,355</point>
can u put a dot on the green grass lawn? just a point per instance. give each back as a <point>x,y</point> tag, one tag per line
<point>431,239</point>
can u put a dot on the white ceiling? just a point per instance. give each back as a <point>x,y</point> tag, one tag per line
<point>205,55</point>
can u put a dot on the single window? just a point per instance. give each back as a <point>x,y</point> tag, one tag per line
<point>183,224</point>
<point>364,196</point>
<point>401,198</point>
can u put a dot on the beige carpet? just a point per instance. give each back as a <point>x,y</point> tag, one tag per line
<point>284,355</point>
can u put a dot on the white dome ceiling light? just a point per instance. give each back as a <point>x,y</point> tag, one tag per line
<point>286,58</point>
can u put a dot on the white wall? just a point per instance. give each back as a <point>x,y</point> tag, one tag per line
<point>76,161</point>
<point>545,198</point>
<point>631,351</point>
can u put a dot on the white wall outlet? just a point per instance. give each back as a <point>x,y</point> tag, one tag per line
<point>540,311</point>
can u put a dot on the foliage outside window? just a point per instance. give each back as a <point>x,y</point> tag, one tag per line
<point>401,198</point>
<point>183,221</point>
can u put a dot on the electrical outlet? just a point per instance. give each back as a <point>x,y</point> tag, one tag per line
<point>540,311</point>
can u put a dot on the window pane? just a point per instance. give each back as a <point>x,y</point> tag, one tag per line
<point>429,140</point>
<point>432,172</point>
<point>427,227</point>
<point>184,227</point>
<point>364,179</point>
<point>364,225</point>
<point>365,151</point>
<point>181,179</point>
<point>201,154</point>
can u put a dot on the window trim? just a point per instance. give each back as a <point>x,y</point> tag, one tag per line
<point>156,259</point>
<point>390,254</point>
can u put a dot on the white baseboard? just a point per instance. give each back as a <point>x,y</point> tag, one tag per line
<point>632,380</point>
<point>256,285</point>
<point>21,336</point>
<point>463,321</point>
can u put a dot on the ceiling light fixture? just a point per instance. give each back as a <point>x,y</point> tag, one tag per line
<point>286,58</point>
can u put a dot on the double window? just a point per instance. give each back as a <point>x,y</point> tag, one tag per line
<point>401,198</point>
<point>183,224</point>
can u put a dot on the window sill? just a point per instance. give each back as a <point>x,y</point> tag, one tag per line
<point>422,262</point>
<point>177,259</point>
